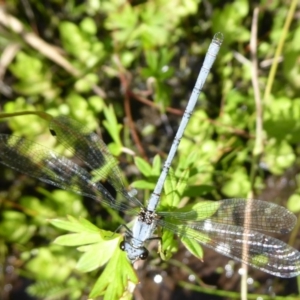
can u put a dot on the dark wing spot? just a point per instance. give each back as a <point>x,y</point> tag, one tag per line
<point>284,231</point>
<point>52,132</point>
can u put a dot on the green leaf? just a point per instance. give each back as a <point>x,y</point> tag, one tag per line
<point>86,83</point>
<point>193,246</point>
<point>113,127</point>
<point>15,228</point>
<point>282,120</point>
<point>205,209</point>
<point>174,187</point>
<point>74,225</point>
<point>89,26</point>
<point>169,245</point>
<point>239,183</point>
<point>54,263</point>
<point>143,185</point>
<point>293,203</point>
<point>51,289</point>
<point>170,186</point>
<point>97,255</point>
<point>76,239</point>
<point>98,250</point>
<point>278,156</point>
<point>181,185</point>
<point>197,190</point>
<point>156,166</point>
<point>117,279</point>
<point>74,40</point>
<point>143,166</point>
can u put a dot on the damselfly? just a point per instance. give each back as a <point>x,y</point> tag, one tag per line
<point>233,227</point>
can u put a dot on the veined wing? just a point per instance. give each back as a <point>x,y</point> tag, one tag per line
<point>92,151</point>
<point>251,214</point>
<point>248,246</point>
<point>44,164</point>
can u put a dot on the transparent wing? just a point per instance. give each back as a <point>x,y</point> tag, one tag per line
<point>253,248</point>
<point>44,164</point>
<point>252,214</point>
<point>92,151</point>
<point>230,231</point>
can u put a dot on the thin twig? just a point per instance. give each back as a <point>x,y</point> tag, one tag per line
<point>257,151</point>
<point>259,145</point>
<point>135,137</point>
<point>278,51</point>
<point>7,57</point>
<point>144,100</point>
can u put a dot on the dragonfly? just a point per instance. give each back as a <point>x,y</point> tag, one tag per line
<point>236,228</point>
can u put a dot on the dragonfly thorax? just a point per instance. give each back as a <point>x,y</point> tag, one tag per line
<point>147,216</point>
<point>142,231</point>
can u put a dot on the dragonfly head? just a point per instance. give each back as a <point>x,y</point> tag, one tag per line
<point>134,253</point>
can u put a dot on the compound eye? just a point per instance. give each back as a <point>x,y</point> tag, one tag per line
<point>122,246</point>
<point>144,255</point>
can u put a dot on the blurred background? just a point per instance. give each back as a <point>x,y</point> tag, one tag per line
<point>126,69</point>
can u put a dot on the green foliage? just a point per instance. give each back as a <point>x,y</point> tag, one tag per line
<point>33,77</point>
<point>228,21</point>
<point>158,68</point>
<point>282,120</point>
<point>294,203</point>
<point>193,247</point>
<point>112,286</point>
<point>151,173</point>
<point>144,49</point>
<point>92,242</point>
<point>81,42</point>
<point>169,245</point>
<point>114,129</point>
<point>12,220</point>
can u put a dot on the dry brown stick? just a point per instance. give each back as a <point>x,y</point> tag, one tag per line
<point>7,57</point>
<point>135,137</point>
<point>258,144</point>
